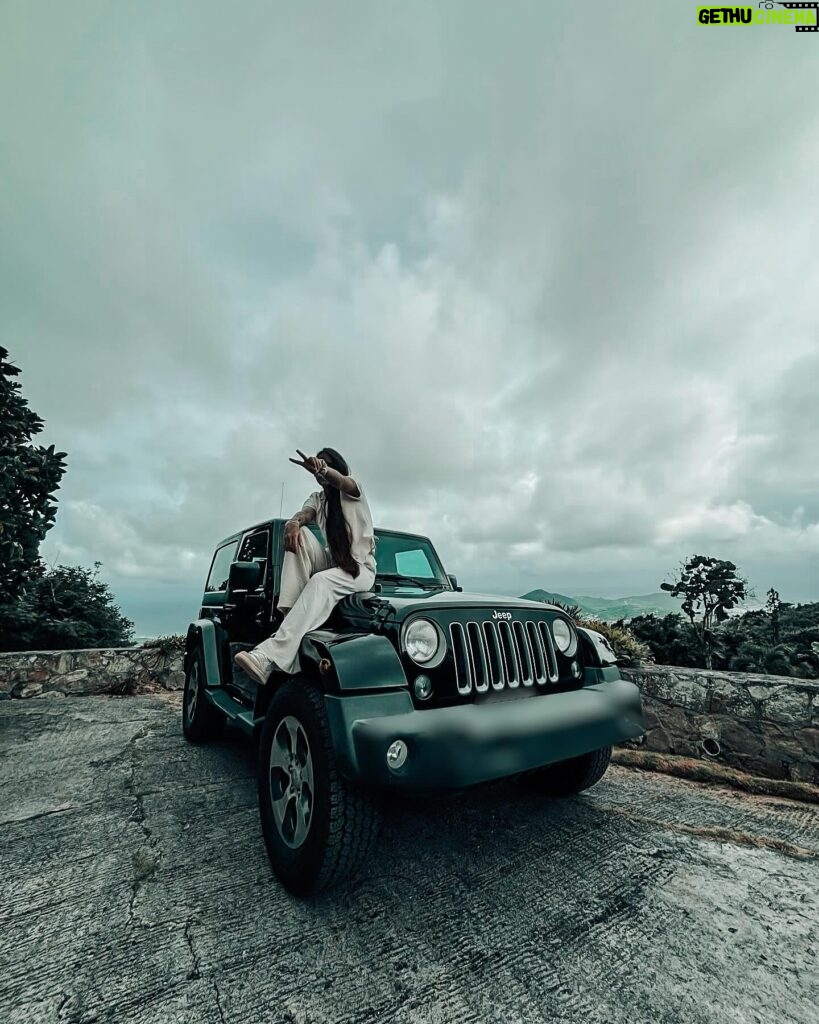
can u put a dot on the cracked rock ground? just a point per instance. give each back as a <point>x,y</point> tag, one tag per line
<point>136,888</point>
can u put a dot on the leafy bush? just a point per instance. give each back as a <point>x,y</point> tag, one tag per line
<point>786,646</point>
<point>65,608</point>
<point>781,640</point>
<point>670,638</point>
<point>41,609</point>
<point>629,649</point>
<point>172,644</point>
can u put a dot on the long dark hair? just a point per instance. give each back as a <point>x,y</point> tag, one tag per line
<point>338,534</point>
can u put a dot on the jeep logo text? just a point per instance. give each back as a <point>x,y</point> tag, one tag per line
<point>501,615</point>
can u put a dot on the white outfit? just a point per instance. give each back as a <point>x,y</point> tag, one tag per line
<point>357,515</point>
<point>312,586</point>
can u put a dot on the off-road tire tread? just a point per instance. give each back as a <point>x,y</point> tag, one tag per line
<point>209,720</point>
<point>354,815</point>
<point>566,778</point>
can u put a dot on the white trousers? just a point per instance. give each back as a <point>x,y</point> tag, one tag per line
<point>311,587</point>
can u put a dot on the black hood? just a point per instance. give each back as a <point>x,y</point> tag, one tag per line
<point>360,609</point>
<point>456,599</point>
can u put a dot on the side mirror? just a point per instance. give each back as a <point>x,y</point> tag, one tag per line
<point>454,581</point>
<point>244,577</point>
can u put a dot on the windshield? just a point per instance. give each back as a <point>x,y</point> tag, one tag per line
<point>406,562</point>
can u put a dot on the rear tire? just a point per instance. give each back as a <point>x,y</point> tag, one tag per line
<point>565,778</point>
<point>201,721</point>
<point>318,829</point>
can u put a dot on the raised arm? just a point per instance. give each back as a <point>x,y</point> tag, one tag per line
<point>333,478</point>
<point>326,474</point>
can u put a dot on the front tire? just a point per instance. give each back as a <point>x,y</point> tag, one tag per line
<point>566,778</point>
<point>201,721</point>
<point>318,829</point>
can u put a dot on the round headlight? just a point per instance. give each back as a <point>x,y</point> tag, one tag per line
<point>421,641</point>
<point>565,637</point>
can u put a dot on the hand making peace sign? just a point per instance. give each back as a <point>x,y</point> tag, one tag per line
<point>312,463</point>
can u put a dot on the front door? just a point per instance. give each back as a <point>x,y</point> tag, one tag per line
<point>252,612</point>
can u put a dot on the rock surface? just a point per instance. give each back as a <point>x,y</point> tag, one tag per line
<point>125,670</point>
<point>766,725</point>
<point>137,889</point>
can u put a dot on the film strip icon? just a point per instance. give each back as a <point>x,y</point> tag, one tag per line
<point>801,7</point>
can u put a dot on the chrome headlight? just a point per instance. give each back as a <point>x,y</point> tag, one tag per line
<point>565,637</point>
<point>422,641</point>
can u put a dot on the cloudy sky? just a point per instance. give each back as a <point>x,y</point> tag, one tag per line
<point>548,275</point>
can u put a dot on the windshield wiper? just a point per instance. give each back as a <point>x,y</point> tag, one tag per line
<point>410,581</point>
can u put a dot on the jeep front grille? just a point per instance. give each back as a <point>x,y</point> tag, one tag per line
<point>503,654</point>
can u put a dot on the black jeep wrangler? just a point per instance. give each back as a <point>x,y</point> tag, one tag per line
<point>416,685</point>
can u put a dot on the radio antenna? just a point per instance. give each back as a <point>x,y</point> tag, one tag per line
<point>281,502</point>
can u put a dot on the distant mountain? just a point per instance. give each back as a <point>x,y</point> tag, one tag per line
<point>610,608</point>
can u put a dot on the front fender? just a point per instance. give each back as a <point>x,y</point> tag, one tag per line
<point>202,633</point>
<point>357,661</point>
<point>597,650</point>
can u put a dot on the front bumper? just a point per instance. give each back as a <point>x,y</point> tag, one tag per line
<point>459,746</point>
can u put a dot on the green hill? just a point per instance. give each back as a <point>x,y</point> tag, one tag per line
<point>611,608</point>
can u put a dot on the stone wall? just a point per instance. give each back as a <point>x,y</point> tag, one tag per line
<point>122,670</point>
<point>766,725</point>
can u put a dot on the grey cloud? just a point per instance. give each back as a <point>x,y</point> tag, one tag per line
<point>543,277</point>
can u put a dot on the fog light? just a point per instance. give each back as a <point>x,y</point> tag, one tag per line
<point>397,754</point>
<point>576,670</point>
<point>422,687</point>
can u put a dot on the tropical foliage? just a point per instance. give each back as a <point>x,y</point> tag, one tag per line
<point>781,639</point>
<point>709,588</point>
<point>629,649</point>
<point>64,608</point>
<point>29,476</point>
<point>41,608</point>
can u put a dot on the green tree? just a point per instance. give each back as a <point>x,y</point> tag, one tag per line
<point>64,608</point>
<point>710,588</point>
<point>29,476</point>
<point>773,607</point>
<point>42,609</point>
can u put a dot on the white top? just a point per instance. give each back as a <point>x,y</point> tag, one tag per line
<point>357,515</point>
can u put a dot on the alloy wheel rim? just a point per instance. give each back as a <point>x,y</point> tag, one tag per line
<point>193,690</point>
<point>290,775</point>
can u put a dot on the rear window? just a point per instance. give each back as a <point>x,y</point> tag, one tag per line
<point>220,569</point>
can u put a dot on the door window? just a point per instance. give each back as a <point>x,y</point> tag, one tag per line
<point>220,569</point>
<point>254,549</point>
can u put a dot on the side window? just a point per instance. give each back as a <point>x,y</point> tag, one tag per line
<point>254,549</point>
<point>254,546</point>
<point>414,563</point>
<point>220,569</point>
